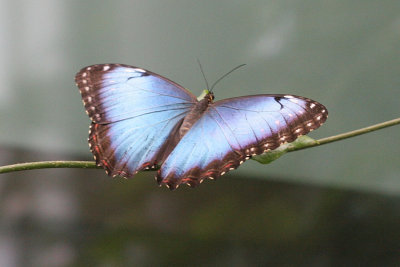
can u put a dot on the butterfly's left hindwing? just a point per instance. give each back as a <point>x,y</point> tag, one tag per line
<point>233,130</point>
<point>133,113</point>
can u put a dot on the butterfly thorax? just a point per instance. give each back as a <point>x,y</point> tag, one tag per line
<point>182,127</point>
<point>195,113</point>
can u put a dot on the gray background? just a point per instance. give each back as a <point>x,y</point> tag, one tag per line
<point>344,54</point>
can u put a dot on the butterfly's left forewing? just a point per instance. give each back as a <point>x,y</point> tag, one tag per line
<point>233,130</point>
<point>133,113</point>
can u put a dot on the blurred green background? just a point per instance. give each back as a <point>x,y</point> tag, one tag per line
<point>332,205</point>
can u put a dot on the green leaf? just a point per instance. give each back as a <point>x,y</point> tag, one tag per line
<point>272,155</point>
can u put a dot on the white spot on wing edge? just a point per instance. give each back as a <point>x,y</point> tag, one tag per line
<point>106,68</point>
<point>140,70</point>
<point>129,70</point>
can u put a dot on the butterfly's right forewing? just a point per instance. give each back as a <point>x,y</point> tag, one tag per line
<point>133,113</point>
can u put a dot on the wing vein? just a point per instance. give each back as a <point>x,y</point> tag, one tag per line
<point>227,125</point>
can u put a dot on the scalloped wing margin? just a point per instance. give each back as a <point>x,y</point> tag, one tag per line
<point>231,131</point>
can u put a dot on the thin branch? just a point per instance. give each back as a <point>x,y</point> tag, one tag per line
<point>47,164</point>
<point>92,165</point>
<point>350,134</point>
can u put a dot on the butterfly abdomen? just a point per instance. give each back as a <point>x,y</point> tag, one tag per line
<point>194,115</point>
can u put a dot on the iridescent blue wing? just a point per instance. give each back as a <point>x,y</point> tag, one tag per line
<point>232,130</point>
<point>133,113</point>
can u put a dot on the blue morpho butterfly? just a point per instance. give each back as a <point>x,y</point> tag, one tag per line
<point>141,120</point>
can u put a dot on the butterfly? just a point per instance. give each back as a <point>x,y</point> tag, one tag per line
<point>141,120</point>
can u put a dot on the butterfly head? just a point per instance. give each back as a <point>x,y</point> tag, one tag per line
<point>210,96</point>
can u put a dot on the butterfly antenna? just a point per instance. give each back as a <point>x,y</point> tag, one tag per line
<point>204,76</point>
<point>226,74</point>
